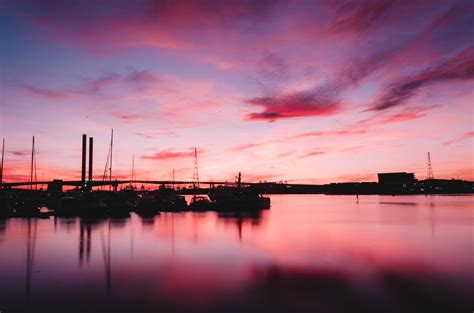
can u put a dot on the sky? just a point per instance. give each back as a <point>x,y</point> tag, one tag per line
<point>297,91</point>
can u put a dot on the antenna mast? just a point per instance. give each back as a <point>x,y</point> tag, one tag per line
<point>1,165</point>
<point>111,150</point>
<point>195,171</point>
<point>430,168</point>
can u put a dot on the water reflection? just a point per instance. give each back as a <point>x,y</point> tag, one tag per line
<point>3,227</point>
<point>240,219</point>
<point>85,239</point>
<point>306,254</point>
<point>30,254</point>
<point>147,221</point>
<point>106,247</point>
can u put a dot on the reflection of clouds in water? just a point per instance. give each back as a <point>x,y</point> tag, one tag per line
<point>305,254</point>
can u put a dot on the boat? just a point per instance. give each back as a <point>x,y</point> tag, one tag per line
<point>239,198</point>
<point>119,204</point>
<point>29,205</point>
<point>162,199</point>
<point>202,203</point>
<point>227,198</point>
<point>82,205</point>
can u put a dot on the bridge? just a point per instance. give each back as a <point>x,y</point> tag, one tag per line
<point>57,184</point>
<point>89,183</point>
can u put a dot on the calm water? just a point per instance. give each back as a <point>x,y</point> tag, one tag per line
<point>310,253</point>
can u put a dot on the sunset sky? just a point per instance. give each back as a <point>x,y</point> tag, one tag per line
<point>298,91</point>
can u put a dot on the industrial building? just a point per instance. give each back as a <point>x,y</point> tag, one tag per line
<point>398,178</point>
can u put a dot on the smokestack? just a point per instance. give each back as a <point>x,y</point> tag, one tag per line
<point>83,169</point>
<point>91,147</point>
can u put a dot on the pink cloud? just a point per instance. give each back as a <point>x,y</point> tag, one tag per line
<point>459,139</point>
<point>128,117</point>
<point>51,94</point>
<point>293,105</point>
<point>314,153</point>
<point>246,146</point>
<point>20,153</point>
<point>360,15</point>
<point>315,60</point>
<point>93,86</point>
<point>143,77</point>
<point>169,25</point>
<point>457,67</point>
<point>342,132</point>
<point>406,114</point>
<point>100,83</point>
<point>168,154</point>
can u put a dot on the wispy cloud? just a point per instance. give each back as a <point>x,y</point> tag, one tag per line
<point>308,103</point>
<point>168,154</point>
<point>94,85</point>
<point>314,153</point>
<point>457,67</point>
<point>246,146</point>
<point>128,117</point>
<point>47,93</point>
<point>140,77</point>
<point>463,137</point>
<point>20,153</point>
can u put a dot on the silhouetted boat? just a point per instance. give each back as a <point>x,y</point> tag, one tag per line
<point>84,205</point>
<point>147,205</point>
<point>168,200</point>
<point>163,199</point>
<point>227,198</point>
<point>202,203</point>
<point>119,204</point>
<point>28,206</point>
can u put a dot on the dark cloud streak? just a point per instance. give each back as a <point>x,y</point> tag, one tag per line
<point>457,67</point>
<point>309,103</point>
<point>93,86</point>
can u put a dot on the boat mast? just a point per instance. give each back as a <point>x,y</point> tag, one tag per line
<point>132,184</point>
<point>33,164</point>
<point>111,150</point>
<point>1,166</point>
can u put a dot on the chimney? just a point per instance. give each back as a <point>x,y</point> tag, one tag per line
<point>91,147</point>
<point>83,169</point>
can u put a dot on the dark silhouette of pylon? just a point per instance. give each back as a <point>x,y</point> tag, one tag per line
<point>195,171</point>
<point>430,168</point>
